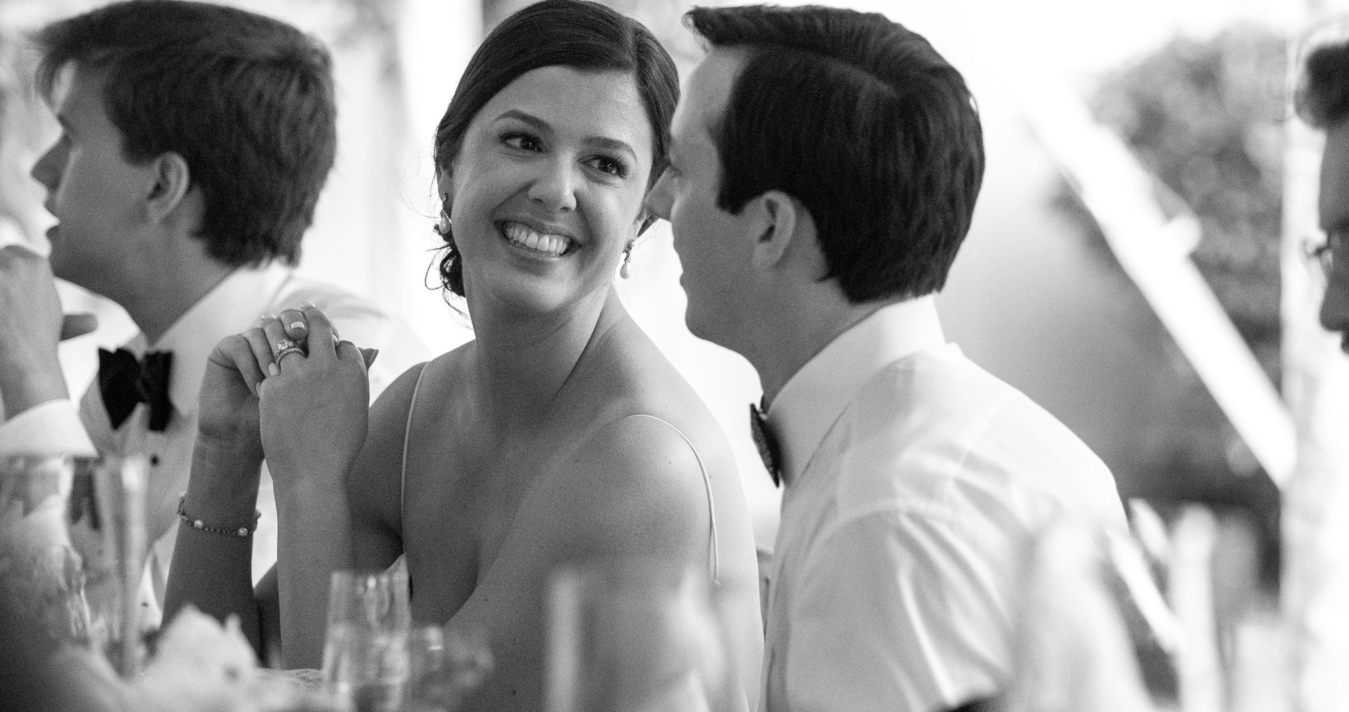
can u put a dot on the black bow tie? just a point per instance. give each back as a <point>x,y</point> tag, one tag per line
<point>125,381</point>
<point>767,444</point>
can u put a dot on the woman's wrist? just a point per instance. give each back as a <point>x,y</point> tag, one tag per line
<point>223,486</point>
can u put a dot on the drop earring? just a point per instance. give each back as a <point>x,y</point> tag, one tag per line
<point>442,227</point>
<point>627,260</point>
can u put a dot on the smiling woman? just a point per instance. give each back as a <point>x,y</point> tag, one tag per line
<point>559,433</point>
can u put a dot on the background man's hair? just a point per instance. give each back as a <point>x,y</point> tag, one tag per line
<point>864,123</point>
<point>246,100</point>
<point>1322,97</point>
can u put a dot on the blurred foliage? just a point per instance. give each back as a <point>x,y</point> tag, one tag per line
<point>1205,117</point>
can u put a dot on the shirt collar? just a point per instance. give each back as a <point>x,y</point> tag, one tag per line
<point>229,308</point>
<point>816,395</point>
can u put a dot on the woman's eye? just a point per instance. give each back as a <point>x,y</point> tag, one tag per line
<point>610,166</point>
<point>524,142</point>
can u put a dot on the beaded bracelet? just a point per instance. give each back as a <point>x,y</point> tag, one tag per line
<point>242,532</point>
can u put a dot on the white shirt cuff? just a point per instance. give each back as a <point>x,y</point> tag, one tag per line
<point>51,428</point>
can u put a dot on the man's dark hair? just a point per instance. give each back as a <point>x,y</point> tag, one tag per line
<point>1322,97</point>
<point>246,100</point>
<point>579,34</point>
<point>864,123</point>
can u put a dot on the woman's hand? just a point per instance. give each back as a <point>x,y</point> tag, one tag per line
<point>227,409</point>
<point>314,404</point>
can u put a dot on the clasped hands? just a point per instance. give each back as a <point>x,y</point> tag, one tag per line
<point>289,388</point>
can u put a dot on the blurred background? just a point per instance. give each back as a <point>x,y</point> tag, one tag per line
<point>1136,263</point>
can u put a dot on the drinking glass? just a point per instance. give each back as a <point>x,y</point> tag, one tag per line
<point>443,667</point>
<point>630,634</point>
<point>365,654</point>
<point>40,572</point>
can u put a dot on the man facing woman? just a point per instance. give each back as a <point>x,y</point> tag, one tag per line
<point>559,433</point>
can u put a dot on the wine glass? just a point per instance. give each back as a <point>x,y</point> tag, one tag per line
<point>365,654</point>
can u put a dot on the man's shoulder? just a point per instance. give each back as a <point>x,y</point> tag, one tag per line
<point>935,429</point>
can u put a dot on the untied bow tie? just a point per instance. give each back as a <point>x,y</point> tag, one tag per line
<point>125,381</point>
<point>766,442</point>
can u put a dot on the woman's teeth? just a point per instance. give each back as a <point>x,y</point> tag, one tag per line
<point>551,245</point>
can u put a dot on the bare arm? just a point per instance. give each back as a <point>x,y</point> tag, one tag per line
<point>30,329</point>
<point>375,486</point>
<point>313,414</point>
<point>211,570</point>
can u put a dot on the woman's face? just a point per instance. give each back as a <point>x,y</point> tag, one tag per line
<point>547,188</point>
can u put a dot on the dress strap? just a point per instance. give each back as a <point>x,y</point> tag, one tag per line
<point>713,555</point>
<point>407,438</point>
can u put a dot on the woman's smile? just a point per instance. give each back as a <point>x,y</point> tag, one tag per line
<point>528,239</point>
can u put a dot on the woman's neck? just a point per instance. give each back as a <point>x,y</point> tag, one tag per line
<point>519,364</point>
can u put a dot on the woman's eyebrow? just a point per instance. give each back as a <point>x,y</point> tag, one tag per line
<point>539,124</point>
<point>530,119</point>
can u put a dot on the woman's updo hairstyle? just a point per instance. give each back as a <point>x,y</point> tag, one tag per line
<point>579,34</point>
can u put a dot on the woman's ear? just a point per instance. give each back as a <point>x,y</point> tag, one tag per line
<point>170,181</point>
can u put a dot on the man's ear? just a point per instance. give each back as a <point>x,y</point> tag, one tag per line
<point>782,220</point>
<point>171,181</point>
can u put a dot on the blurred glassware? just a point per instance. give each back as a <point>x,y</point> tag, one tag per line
<point>39,570</point>
<point>365,655</point>
<point>444,667</point>
<point>633,634</point>
<point>105,512</point>
<point>72,548</point>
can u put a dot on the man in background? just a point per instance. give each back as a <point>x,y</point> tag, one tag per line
<point>1323,101</point>
<point>824,169</point>
<point>195,140</point>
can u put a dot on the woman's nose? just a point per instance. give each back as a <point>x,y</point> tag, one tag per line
<point>555,187</point>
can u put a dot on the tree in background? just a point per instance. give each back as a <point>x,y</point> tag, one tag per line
<point>1205,117</point>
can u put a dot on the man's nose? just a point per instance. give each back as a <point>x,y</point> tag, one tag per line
<point>45,170</point>
<point>1335,306</point>
<point>657,200</point>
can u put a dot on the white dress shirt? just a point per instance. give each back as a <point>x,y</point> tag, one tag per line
<point>231,307</point>
<point>913,480</point>
<point>51,428</point>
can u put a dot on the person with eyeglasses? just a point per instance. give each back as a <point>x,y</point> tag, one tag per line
<point>1322,100</point>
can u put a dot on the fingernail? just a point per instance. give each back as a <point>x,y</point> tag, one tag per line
<point>307,304</point>
<point>369,355</point>
<point>272,369</point>
<point>298,326</point>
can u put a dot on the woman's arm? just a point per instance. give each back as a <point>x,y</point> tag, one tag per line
<point>211,566</point>
<point>375,485</point>
<point>313,415</point>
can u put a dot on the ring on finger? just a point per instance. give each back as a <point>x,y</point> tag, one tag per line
<point>284,343</point>
<point>291,349</point>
